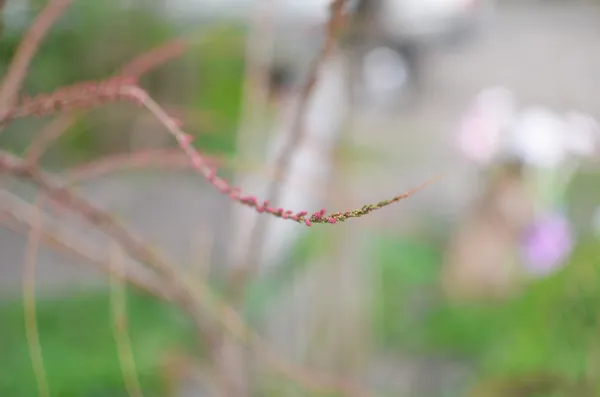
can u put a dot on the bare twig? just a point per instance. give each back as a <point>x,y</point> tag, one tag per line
<point>135,69</point>
<point>121,334</point>
<point>26,51</point>
<point>31,328</point>
<point>85,95</point>
<point>201,165</point>
<point>149,61</point>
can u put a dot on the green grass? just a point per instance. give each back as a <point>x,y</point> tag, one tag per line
<point>538,342</point>
<point>405,271</point>
<point>78,346</point>
<point>549,330</point>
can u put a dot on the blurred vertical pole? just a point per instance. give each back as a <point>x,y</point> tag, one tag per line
<point>338,322</point>
<point>255,97</point>
<point>323,318</point>
<point>305,187</point>
<point>339,326</point>
<point>301,188</point>
<point>233,363</point>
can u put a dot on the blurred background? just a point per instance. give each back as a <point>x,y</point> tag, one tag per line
<point>438,295</point>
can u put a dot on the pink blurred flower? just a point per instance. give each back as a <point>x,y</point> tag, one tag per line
<point>480,134</point>
<point>547,244</point>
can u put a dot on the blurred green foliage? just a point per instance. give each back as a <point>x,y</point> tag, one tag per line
<point>549,332</point>
<point>79,350</point>
<point>404,280</point>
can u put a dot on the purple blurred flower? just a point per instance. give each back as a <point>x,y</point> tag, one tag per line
<point>547,244</point>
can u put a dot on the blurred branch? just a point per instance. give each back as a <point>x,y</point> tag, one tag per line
<point>17,70</point>
<point>151,60</point>
<point>143,159</point>
<point>19,216</point>
<point>119,314</point>
<point>31,328</point>
<point>110,226</point>
<point>86,95</point>
<point>194,300</point>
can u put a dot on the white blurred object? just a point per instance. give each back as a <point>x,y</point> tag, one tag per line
<point>583,133</point>
<point>493,129</point>
<point>480,134</point>
<point>538,138</point>
<point>432,19</point>
<point>385,75</point>
<point>299,22</point>
<point>546,139</point>
<point>309,170</point>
